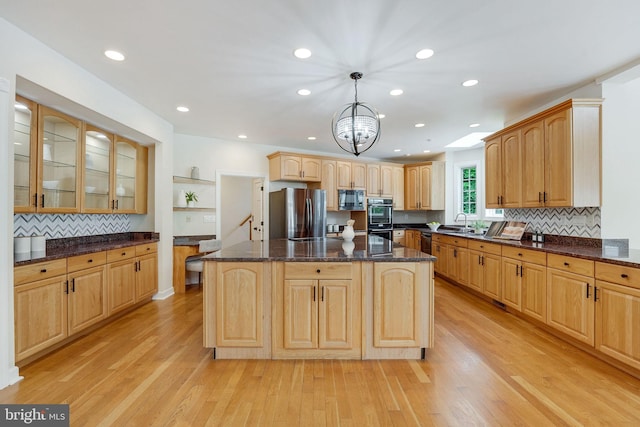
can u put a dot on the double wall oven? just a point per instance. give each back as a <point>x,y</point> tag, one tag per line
<point>380,217</point>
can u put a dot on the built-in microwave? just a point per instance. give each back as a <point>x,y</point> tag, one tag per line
<point>351,200</point>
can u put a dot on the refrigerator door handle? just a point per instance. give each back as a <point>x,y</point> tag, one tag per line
<point>310,215</point>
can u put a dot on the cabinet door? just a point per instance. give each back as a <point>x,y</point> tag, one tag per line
<point>618,322</point>
<point>87,298</point>
<point>425,188</point>
<point>492,284</point>
<point>25,149</point>
<point>476,270</point>
<point>512,283</point>
<point>412,187</point>
<point>558,159</point>
<point>300,314</point>
<point>398,188</point>
<point>386,181</point>
<point>373,180</point>
<point>311,169</point>
<point>396,323</point>
<point>146,276</point>
<point>533,165</point>
<point>121,285</point>
<point>40,315</point>
<point>335,314</point>
<point>239,304</point>
<point>98,164</point>
<point>440,251</point>
<point>570,307</point>
<point>291,167</point>
<point>329,184</point>
<point>493,173</point>
<point>343,178</point>
<point>512,170</point>
<point>534,291</point>
<point>58,162</point>
<point>359,175</point>
<point>127,178</point>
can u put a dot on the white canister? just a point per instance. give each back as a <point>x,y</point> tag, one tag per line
<point>22,245</point>
<point>38,246</point>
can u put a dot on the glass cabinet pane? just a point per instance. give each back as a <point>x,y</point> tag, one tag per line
<point>97,165</point>
<point>59,151</point>
<point>24,146</point>
<point>126,168</point>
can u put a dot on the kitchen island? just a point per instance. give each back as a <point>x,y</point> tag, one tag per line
<point>318,299</point>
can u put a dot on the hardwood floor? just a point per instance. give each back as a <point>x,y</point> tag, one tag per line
<point>487,368</point>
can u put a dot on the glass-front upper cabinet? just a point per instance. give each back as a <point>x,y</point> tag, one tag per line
<point>97,155</point>
<point>25,146</point>
<point>130,182</point>
<point>58,162</point>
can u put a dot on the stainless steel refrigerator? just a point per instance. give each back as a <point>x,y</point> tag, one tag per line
<point>297,213</point>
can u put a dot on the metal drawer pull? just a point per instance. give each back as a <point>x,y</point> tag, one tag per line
<point>566,264</point>
<point>624,276</point>
<point>44,270</point>
<point>318,271</point>
<point>588,286</point>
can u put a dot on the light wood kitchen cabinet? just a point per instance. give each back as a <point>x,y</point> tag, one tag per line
<point>130,177</point>
<point>294,167</point>
<point>351,175</point>
<point>398,188</point>
<point>485,270</point>
<point>398,292</point>
<point>121,279</point>
<point>413,239</point>
<point>380,180</point>
<point>329,184</point>
<point>560,153</point>
<point>503,156</point>
<point>399,237</point>
<point>424,186</point>
<point>570,299</point>
<point>239,304</point>
<point>439,250</point>
<point>59,162</point>
<point>146,271</point>
<point>458,264</point>
<point>40,302</point>
<point>98,173</point>
<point>25,147</point>
<point>87,290</point>
<point>524,280</point>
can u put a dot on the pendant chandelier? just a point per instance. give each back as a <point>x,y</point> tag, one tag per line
<point>356,127</point>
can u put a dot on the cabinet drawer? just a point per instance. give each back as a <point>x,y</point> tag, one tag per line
<point>490,248</point>
<point>574,265</point>
<point>436,237</point>
<point>455,241</point>
<point>39,271</point>
<point>146,249</point>
<point>398,233</point>
<point>121,253</point>
<point>80,262</point>
<point>527,255</point>
<point>620,274</point>
<point>317,270</point>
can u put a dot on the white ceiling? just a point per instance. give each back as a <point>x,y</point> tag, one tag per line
<point>231,62</point>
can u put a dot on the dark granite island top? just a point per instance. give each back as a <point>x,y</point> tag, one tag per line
<point>332,249</point>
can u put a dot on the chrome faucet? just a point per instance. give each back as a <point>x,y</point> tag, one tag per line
<point>465,219</point>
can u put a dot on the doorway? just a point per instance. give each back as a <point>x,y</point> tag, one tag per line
<point>240,208</point>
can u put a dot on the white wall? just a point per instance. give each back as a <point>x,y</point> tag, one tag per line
<point>620,159</point>
<point>32,65</point>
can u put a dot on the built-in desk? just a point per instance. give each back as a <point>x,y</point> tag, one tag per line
<point>183,248</point>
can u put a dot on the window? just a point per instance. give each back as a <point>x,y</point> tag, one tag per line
<point>468,190</point>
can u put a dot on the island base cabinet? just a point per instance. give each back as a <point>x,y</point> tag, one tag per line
<point>238,325</point>
<point>618,322</point>
<point>401,322</point>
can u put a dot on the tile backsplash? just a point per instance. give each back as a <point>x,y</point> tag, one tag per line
<point>578,222</point>
<point>55,226</point>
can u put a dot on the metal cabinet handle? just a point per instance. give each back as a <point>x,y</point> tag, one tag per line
<point>595,293</point>
<point>566,264</point>
<point>314,293</point>
<point>588,287</point>
<point>322,296</point>
<point>42,201</point>
<point>73,285</point>
<point>624,276</point>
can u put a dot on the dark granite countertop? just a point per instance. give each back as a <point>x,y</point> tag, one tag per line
<point>366,248</point>
<point>68,247</point>
<point>191,240</point>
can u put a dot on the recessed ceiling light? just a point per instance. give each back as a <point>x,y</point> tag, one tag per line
<point>419,125</point>
<point>474,125</point>
<point>304,92</point>
<point>241,136</point>
<point>469,83</point>
<point>396,92</point>
<point>302,53</point>
<point>424,54</point>
<point>114,54</point>
<point>20,106</point>
<point>311,138</point>
<point>407,155</point>
<point>397,150</point>
<point>426,151</point>
<point>182,108</point>
<point>381,116</point>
